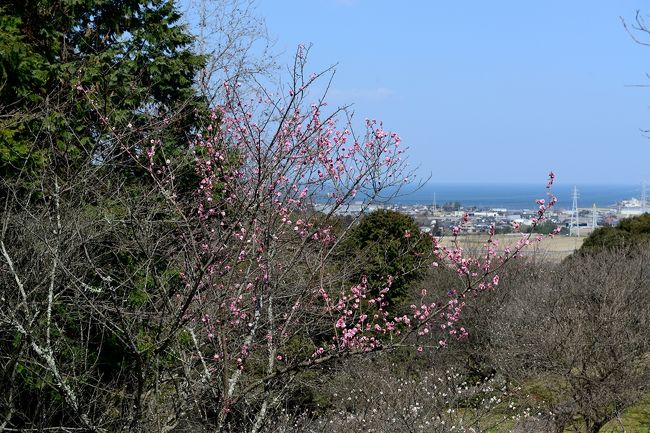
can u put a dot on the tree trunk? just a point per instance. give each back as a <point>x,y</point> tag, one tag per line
<point>594,426</point>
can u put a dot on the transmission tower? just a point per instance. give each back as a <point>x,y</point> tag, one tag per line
<point>594,217</point>
<point>643,197</point>
<point>574,228</point>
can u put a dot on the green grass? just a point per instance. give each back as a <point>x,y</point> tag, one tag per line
<point>635,419</point>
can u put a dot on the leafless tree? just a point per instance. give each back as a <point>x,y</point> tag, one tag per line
<point>582,329</point>
<point>235,40</point>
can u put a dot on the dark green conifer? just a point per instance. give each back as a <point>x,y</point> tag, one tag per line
<point>80,77</point>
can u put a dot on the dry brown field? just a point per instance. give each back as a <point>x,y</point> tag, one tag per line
<point>552,249</point>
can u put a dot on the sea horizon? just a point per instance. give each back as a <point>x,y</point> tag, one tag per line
<point>516,196</point>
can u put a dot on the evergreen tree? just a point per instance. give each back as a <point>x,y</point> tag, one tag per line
<point>85,85</point>
<point>629,233</point>
<point>80,77</point>
<point>387,242</point>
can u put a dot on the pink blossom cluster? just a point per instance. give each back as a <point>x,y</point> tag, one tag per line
<point>358,328</point>
<point>257,266</point>
<point>263,172</point>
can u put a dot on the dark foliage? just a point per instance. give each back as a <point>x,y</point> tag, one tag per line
<point>628,234</point>
<point>385,243</point>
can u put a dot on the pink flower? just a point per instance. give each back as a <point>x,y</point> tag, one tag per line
<point>495,280</point>
<point>551,178</point>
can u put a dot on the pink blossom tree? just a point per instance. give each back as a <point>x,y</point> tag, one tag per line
<point>263,300</point>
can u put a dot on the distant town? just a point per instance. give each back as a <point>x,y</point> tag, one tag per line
<point>439,220</point>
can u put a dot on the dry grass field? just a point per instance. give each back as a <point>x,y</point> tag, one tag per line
<point>552,249</point>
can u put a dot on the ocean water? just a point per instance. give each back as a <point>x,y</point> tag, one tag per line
<point>517,196</point>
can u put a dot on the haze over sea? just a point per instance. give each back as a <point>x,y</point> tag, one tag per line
<point>517,196</point>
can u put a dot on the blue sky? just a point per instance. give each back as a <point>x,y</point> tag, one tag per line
<point>499,91</point>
